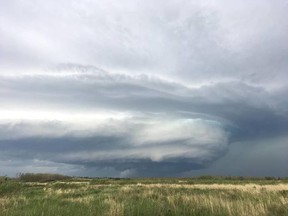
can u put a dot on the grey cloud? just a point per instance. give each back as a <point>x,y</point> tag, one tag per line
<point>253,110</point>
<point>164,37</point>
<point>261,157</point>
<point>201,41</point>
<point>220,64</point>
<point>182,146</point>
<point>170,127</point>
<point>13,166</point>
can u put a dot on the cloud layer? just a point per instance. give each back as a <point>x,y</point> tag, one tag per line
<point>88,117</point>
<point>175,84</point>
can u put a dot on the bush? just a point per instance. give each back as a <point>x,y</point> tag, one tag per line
<point>3,179</point>
<point>9,187</point>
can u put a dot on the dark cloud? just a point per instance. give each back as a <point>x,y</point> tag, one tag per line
<point>172,131</point>
<point>184,148</point>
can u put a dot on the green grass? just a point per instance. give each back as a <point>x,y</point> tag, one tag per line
<point>194,180</point>
<point>132,197</point>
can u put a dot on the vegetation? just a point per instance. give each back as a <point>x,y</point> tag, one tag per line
<point>151,196</point>
<point>41,177</point>
<point>193,180</point>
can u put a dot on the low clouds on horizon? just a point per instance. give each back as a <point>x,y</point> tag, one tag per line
<point>154,89</point>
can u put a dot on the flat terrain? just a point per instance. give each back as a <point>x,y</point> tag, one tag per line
<point>80,196</point>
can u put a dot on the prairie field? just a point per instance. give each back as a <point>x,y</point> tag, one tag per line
<point>166,196</point>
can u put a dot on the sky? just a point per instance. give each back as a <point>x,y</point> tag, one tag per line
<point>144,88</point>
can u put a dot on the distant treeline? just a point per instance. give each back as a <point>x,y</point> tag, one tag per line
<point>41,177</point>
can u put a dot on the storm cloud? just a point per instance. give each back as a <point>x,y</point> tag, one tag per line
<point>153,88</point>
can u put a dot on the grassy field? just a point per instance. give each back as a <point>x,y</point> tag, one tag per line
<point>186,196</point>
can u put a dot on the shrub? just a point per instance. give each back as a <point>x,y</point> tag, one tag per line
<point>9,187</point>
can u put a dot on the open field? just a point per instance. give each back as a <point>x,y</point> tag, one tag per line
<point>189,196</point>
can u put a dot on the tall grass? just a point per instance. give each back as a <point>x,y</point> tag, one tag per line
<point>116,198</point>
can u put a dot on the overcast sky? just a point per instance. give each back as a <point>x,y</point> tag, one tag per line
<point>144,88</point>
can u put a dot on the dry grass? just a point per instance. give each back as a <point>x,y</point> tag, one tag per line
<point>115,208</point>
<point>84,199</point>
<point>4,202</point>
<point>78,198</point>
<point>246,187</point>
